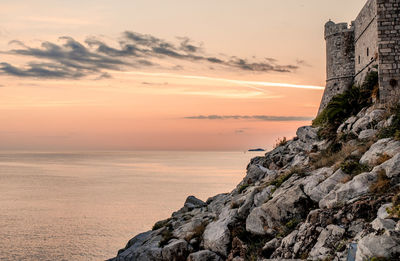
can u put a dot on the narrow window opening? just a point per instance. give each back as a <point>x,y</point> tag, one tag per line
<point>367,51</point>
<point>359,59</point>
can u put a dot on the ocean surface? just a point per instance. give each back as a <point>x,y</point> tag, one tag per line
<point>86,206</point>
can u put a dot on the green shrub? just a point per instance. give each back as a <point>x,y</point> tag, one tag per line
<point>242,188</point>
<point>346,104</point>
<point>353,167</point>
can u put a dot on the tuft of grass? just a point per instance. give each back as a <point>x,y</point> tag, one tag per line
<point>378,258</point>
<point>334,157</point>
<point>394,211</point>
<point>284,177</point>
<point>383,158</point>
<point>382,184</point>
<point>280,142</point>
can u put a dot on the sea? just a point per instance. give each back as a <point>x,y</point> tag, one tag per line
<point>87,205</point>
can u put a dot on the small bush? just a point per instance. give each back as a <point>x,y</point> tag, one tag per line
<point>243,187</point>
<point>288,227</point>
<point>280,142</point>
<point>160,224</point>
<point>353,167</point>
<point>382,184</point>
<point>344,105</point>
<point>394,212</point>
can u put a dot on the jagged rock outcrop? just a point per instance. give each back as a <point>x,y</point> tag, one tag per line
<point>309,198</point>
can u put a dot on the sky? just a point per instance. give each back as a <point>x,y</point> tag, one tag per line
<point>161,74</point>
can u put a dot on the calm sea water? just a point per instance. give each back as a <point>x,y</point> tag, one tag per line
<point>86,206</point>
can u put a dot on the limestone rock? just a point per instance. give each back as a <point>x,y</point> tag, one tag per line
<point>177,250</point>
<point>388,146</point>
<point>143,247</point>
<point>289,204</point>
<point>216,236</point>
<point>193,202</point>
<point>327,241</point>
<point>270,246</point>
<point>317,191</point>
<point>386,224</point>
<point>204,255</point>
<point>367,134</point>
<point>263,196</point>
<point>357,187</point>
<point>391,167</point>
<point>382,212</point>
<point>378,246</point>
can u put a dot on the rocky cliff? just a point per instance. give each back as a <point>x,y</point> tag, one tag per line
<point>315,197</point>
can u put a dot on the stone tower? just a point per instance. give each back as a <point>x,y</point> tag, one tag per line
<point>340,66</point>
<point>372,42</point>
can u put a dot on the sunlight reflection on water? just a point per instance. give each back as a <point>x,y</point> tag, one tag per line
<point>86,206</point>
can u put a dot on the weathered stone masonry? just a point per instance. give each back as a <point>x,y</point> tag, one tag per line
<point>371,41</point>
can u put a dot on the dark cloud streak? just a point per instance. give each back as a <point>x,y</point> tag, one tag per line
<point>73,59</point>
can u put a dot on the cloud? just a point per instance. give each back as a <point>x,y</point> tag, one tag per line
<point>94,57</point>
<point>253,117</point>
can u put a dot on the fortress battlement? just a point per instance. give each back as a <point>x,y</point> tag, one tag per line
<point>370,42</point>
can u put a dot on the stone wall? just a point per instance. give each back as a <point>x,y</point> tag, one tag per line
<point>389,48</point>
<point>366,40</point>
<point>339,60</point>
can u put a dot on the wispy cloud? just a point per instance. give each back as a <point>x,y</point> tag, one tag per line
<point>74,59</point>
<point>250,84</point>
<point>253,117</point>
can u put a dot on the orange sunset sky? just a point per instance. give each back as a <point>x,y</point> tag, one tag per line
<point>161,74</point>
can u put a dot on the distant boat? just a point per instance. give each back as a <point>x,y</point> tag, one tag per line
<point>259,149</point>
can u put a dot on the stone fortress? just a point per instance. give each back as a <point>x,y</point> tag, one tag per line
<point>371,42</point>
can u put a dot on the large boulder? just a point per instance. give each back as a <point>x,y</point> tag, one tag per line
<point>217,235</point>
<point>367,134</point>
<point>383,224</point>
<point>386,246</point>
<point>289,204</point>
<point>193,202</point>
<point>391,167</point>
<point>143,247</point>
<point>383,146</point>
<point>319,191</point>
<point>177,250</point>
<point>358,186</point>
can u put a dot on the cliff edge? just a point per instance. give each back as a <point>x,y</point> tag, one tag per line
<point>331,193</point>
